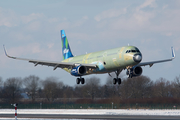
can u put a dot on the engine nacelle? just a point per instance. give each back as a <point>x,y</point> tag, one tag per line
<point>78,70</point>
<point>133,72</point>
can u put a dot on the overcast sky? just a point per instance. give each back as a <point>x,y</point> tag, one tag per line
<point>31,29</point>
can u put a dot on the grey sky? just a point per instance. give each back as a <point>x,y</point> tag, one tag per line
<point>31,29</point>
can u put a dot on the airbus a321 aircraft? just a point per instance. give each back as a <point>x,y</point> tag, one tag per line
<point>106,61</point>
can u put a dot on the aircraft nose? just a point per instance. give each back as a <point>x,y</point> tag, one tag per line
<point>137,58</point>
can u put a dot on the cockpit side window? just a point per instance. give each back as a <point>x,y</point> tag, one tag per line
<point>137,50</point>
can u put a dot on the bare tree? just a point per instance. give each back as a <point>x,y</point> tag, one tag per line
<point>80,91</point>
<point>60,86</point>
<point>68,90</point>
<point>175,87</point>
<point>67,93</point>
<point>161,88</point>
<point>1,82</point>
<point>113,90</point>
<point>137,87</point>
<point>12,88</point>
<point>92,86</point>
<point>89,90</point>
<point>1,87</point>
<point>143,86</point>
<point>32,85</point>
<point>127,88</point>
<point>105,91</point>
<point>110,90</point>
<point>50,86</point>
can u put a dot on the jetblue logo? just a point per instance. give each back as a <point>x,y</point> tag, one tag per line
<point>65,51</point>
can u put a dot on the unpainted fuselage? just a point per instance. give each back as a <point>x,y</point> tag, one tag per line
<point>108,60</point>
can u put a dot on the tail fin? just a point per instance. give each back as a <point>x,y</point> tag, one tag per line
<point>66,51</point>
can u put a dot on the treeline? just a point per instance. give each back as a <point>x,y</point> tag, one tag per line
<point>135,90</point>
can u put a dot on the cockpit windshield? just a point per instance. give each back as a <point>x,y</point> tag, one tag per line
<point>132,51</point>
<point>137,49</point>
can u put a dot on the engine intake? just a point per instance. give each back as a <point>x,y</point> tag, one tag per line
<point>137,71</point>
<point>78,70</point>
<point>133,72</point>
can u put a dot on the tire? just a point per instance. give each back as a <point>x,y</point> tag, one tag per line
<point>82,81</point>
<point>114,81</point>
<point>119,81</point>
<point>77,80</point>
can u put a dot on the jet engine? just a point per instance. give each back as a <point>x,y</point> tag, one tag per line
<point>78,70</point>
<point>135,71</point>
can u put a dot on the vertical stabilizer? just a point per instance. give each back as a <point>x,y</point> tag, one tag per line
<point>66,51</point>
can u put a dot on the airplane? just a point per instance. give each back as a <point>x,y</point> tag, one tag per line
<point>107,61</point>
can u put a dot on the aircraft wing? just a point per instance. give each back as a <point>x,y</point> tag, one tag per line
<point>53,64</point>
<point>153,62</point>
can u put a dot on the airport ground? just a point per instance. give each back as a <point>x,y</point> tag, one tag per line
<point>118,114</point>
<point>104,117</point>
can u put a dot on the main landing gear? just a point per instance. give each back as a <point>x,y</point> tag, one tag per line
<point>80,80</point>
<point>117,80</point>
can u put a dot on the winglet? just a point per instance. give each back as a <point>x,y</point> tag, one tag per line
<point>7,54</point>
<point>173,53</point>
<point>5,51</point>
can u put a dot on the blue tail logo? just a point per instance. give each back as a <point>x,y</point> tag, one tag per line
<point>66,51</point>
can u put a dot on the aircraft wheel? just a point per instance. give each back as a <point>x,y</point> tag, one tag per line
<point>82,81</point>
<point>114,81</point>
<point>78,80</point>
<point>119,81</point>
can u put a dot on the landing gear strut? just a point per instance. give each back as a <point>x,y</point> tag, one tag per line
<point>129,73</point>
<point>80,80</point>
<point>117,80</point>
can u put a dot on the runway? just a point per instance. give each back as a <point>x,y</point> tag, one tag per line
<point>104,114</point>
<point>104,117</point>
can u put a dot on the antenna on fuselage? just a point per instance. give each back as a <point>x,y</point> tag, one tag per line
<point>128,44</point>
